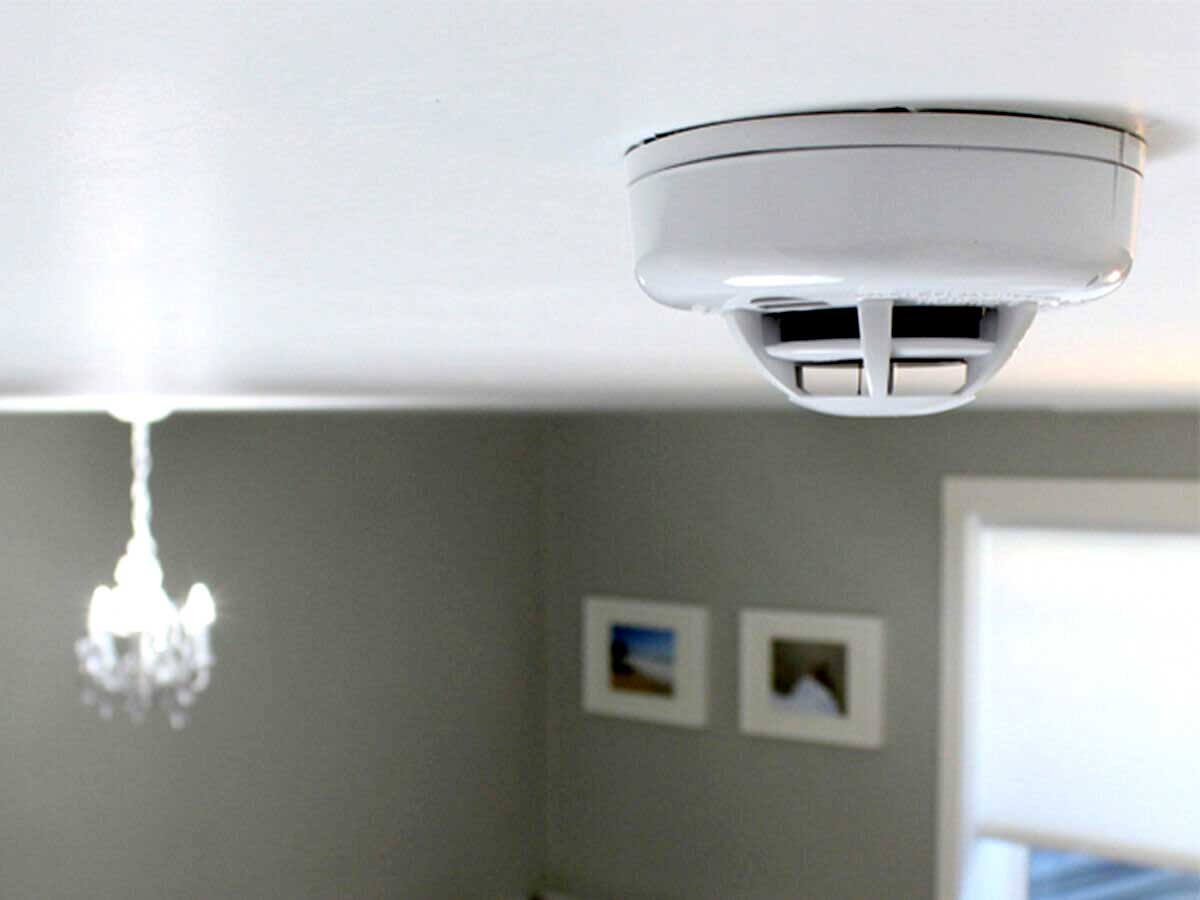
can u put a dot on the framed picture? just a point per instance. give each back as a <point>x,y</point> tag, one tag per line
<point>645,660</point>
<point>812,677</point>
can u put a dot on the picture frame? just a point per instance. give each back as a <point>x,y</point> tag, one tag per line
<point>645,660</point>
<point>811,676</point>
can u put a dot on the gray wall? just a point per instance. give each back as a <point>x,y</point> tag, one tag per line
<point>395,711</point>
<point>788,510</point>
<point>376,721</point>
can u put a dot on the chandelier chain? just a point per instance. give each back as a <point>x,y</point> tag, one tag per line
<point>139,489</point>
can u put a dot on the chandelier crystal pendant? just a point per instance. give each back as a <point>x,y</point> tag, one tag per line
<point>141,649</point>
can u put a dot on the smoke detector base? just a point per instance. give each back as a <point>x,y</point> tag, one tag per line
<point>884,263</point>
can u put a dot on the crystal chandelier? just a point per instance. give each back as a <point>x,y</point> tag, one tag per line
<point>141,649</point>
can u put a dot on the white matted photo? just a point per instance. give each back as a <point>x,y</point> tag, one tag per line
<point>644,660</point>
<point>812,677</point>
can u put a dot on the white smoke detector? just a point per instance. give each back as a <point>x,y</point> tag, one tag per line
<point>884,263</point>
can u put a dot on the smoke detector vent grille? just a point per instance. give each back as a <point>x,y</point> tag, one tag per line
<point>878,355</point>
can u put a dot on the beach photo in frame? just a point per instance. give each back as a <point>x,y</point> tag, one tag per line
<point>645,660</point>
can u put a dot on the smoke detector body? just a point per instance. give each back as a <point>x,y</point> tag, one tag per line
<point>883,263</point>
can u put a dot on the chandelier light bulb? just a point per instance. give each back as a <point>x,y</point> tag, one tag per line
<point>100,620</point>
<point>141,649</point>
<point>199,612</point>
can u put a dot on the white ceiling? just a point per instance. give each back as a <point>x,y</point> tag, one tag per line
<point>278,204</point>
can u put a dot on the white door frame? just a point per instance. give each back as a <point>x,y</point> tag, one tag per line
<point>968,504</point>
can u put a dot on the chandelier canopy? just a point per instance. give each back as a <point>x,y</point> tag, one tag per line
<point>141,649</point>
